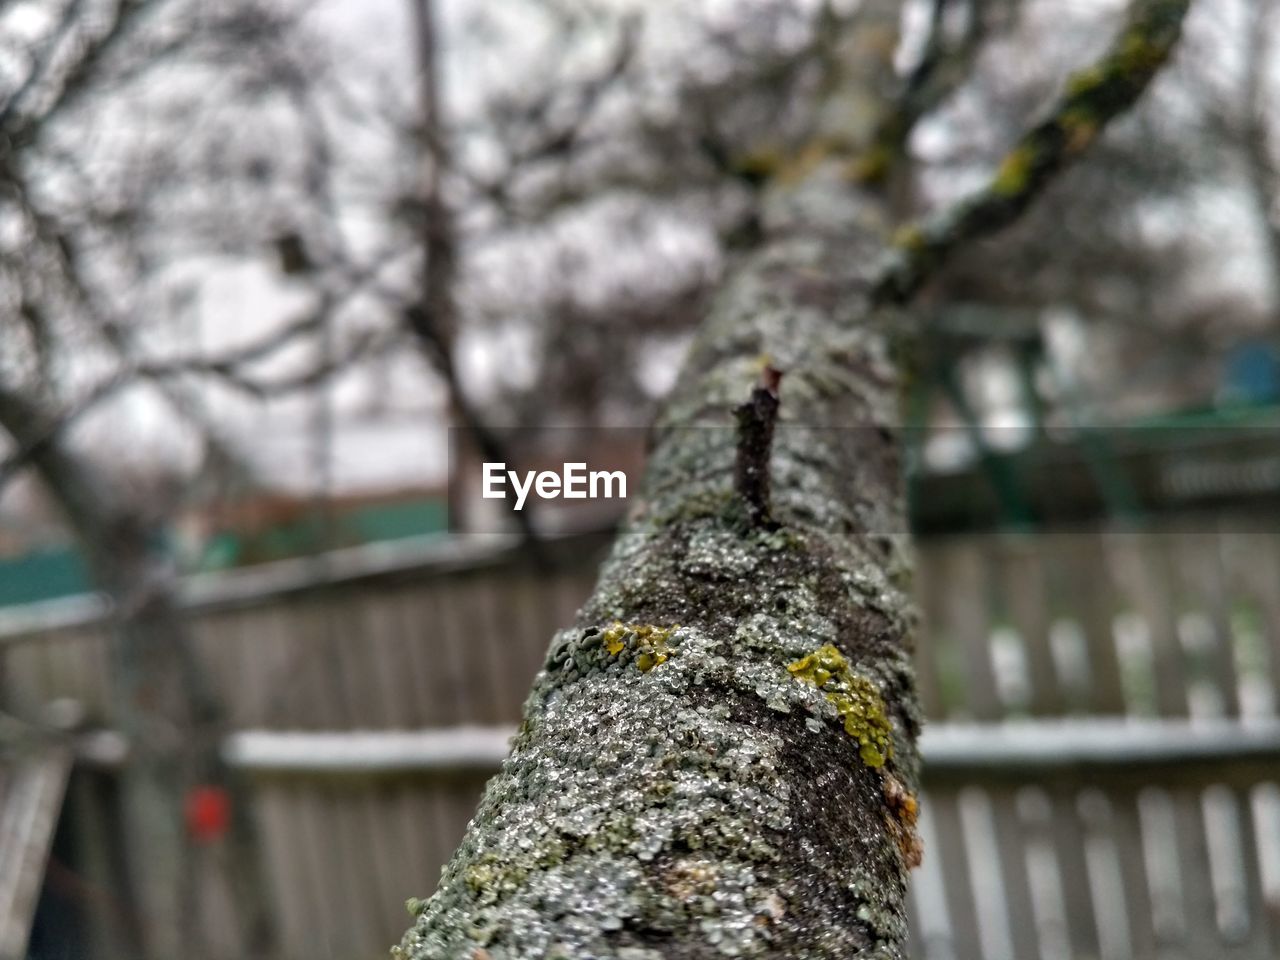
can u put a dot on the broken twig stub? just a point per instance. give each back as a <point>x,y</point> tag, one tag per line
<point>756,419</point>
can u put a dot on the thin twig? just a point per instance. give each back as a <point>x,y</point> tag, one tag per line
<point>756,419</point>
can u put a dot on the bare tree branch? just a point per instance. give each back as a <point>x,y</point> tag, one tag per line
<point>262,388</point>
<point>439,242</point>
<point>226,369</point>
<point>1259,159</point>
<point>80,73</point>
<point>47,429</point>
<point>41,62</point>
<point>943,66</point>
<point>1092,99</point>
<point>433,318</point>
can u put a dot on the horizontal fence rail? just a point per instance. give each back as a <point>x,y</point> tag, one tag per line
<point>1021,751</point>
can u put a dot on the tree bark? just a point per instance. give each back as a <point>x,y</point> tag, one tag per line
<point>718,757</point>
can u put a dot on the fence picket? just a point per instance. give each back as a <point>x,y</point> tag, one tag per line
<point>1091,595</point>
<point>1126,830</point>
<point>965,621</point>
<point>1022,588</point>
<point>1069,849</point>
<point>1011,841</point>
<point>953,860</point>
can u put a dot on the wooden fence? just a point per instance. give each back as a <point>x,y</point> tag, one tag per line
<point>1103,764</point>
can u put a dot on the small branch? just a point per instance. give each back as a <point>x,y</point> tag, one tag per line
<point>42,432</point>
<point>224,370</point>
<point>1092,99</point>
<point>433,317</point>
<point>365,345</point>
<point>756,419</point>
<point>42,60</point>
<point>942,68</point>
<point>1255,135</point>
<point>77,76</point>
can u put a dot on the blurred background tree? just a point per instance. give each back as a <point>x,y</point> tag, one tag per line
<point>598,166</point>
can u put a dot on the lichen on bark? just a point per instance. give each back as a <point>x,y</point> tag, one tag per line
<point>715,803</point>
<point>710,804</point>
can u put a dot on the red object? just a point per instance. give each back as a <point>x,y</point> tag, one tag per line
<point>208,813</point>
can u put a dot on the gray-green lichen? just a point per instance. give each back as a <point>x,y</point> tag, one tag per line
<point>677,792</point>
<point>643,801</point>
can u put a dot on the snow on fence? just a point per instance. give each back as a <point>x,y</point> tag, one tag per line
<point>1102,766</point>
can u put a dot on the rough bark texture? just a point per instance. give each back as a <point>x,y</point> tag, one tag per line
<point>718,758</point>
<point>703,768</point>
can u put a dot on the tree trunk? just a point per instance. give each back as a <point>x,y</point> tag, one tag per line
<point>718,757</point>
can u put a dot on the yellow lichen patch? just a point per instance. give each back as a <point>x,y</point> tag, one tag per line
<point>1079,127</point>
<point>805,161</point>
<point>489,872</point>
<point>1138,53</point>
<point>686,879</point>
<point>761,363</point>
<point>909,237</point>
<point>760,163</point>
<point>613,638</point>
<point>871,167</point>
<point>858,704</point>
<point>1011,178</point>
<point>1084,81</point>
<point>648,641</point>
